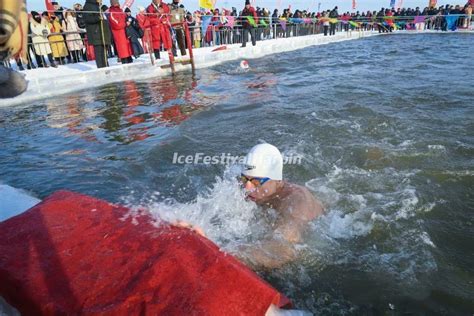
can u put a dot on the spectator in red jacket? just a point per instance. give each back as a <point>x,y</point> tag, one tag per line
<point>117,24</point>
<point>249,23</point>
<point>158,13</point>
<point>144,24</point>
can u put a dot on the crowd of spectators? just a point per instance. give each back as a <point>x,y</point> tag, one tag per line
<point>98,32</point>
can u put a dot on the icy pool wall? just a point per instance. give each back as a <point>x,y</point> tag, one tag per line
<point>14,201</point>
<point>45,83</point>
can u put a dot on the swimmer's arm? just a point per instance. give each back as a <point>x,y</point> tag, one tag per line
<point>195,228</point>
<point>267,253</point>
<point>280,248</point>
<point>274,252</point>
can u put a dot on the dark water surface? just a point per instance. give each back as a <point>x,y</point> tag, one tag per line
<point>385,126</point>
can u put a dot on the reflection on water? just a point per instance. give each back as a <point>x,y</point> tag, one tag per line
<point>388,153</point>
<point>127,112</point>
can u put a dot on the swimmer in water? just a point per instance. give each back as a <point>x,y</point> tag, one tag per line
<point>244,64</point>
<point>295,207</point>
<point>262,178</point>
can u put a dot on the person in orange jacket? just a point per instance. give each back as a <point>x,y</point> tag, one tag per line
<point>158,15</point>
<point>117,21</point>
<point>144,24</point>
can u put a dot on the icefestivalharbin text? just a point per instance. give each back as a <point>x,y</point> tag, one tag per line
<point>224,159</point>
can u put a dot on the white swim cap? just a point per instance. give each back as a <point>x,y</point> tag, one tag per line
<point>244,64</point>
<point>264,161</point>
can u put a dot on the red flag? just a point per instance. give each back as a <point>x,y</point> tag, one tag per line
<point>49,5</point>
<point>127,4</point>
<point>353,4</point>
<point>399,5</point>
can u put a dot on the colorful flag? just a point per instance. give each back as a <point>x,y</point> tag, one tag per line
<point>251,21</point>
<point>399,4</point>
<point>432,3</point>
<point>353,4</point>
<point>206,4</point>
<point>127,4</point>
<point>354,24</point>
<point>451,22</point>
<point>392,3</point>
<point>205,20</point>
<point>419,19</point>
<point>49,5</point>
<point>296,20</point>
<point>389,20</point>
<point>230,21</point>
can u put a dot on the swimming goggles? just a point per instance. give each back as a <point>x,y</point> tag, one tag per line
<point>255,180</point>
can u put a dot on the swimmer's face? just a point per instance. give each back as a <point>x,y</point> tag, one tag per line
<point>259,194</point>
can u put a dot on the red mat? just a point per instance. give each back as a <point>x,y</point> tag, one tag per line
<point>73,254</point>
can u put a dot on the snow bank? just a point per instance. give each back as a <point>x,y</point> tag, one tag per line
<point>14,201</point>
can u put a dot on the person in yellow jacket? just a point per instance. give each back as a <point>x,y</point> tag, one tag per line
<point>13,43</point>
<point>56,39</point>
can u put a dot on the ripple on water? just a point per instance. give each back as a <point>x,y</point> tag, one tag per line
<point>382,125</point>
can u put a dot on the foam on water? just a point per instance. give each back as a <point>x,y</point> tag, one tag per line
<point>378,217</point>
<point>221,211</point>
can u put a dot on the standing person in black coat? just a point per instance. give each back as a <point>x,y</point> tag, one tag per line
<point>79,16</point>
<point>98,31</point>
<point>133,35</point>
<point>247,27</point>
<point>58,11</point>
<point>332,26</point>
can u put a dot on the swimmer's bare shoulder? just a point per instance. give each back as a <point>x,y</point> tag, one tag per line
<point>301,203</point>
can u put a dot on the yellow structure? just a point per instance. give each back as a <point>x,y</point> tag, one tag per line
<point>13,29</point>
